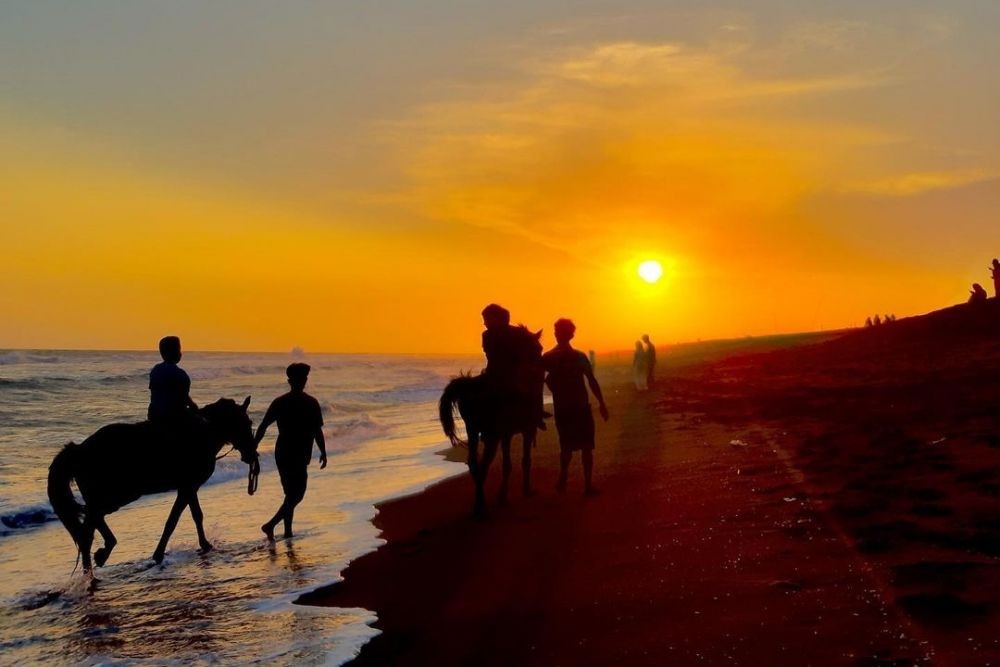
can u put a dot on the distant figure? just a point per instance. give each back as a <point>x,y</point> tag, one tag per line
<point>640,367</point>
<point>505,368</point>
<point>170,387</point>
<point>978,294</point>
<point>868,322</point>
<point>995,272</point>
<point>300,421</point>
<point>877,321</point>
<point>650,361</point>
<point>566,370</point>
<point>593,359</point>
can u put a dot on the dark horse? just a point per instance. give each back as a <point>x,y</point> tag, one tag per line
<point>121,462</point>
<point>494,418</point>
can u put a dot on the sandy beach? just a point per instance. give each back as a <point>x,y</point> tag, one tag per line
<point>813,500</point>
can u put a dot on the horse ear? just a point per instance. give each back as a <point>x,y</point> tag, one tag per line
<point>538,334</point>
<point>246,403</point>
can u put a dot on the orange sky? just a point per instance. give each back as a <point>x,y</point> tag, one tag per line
<point>257,176</point>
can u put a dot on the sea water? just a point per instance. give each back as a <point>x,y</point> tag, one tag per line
<point>232,605</point>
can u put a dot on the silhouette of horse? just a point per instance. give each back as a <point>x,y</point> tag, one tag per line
<point>122,462</point>
<point>494,419</point>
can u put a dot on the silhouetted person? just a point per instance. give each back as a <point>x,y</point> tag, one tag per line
<point>503,351</point>
<point>868,322</point>
<point>650,361</point>
<point>877,321</point>
<point>170,387</point>
<point>978,294</point>
<point>300,421</point>
<point>640,370</point>
<point>995,273</point>
<point>592,356</point>
<point>566,370</point>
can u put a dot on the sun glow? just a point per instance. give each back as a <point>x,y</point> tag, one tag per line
<point>651,271</point>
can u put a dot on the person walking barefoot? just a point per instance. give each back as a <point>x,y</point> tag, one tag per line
<point>566,370</point>
<point>300,421</point>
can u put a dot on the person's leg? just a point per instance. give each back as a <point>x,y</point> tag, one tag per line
<point>588,472</point>
<point>294,498</point>
<point>565,456</point>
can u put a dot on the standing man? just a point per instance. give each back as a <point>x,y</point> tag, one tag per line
<point>566,370</point>
<point>300,421</point>
<point>169,386</point>
<point>995,272</point>
<point>650,361</point>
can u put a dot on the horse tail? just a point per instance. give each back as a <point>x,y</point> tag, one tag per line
<point>61,471</point>
<point>453,393</point>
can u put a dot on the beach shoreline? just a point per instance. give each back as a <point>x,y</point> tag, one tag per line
<point>742,520</point>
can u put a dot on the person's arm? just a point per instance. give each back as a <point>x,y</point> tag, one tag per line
<point>321,443</point>
<point>596,388</point>
<point>320,438</point>
<point>264,423</point>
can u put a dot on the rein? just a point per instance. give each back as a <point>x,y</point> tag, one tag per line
<point>254,474</point>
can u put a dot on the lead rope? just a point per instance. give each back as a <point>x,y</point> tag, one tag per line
<point>253,476</point>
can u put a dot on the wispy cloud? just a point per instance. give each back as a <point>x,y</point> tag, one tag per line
<point>912,184</point>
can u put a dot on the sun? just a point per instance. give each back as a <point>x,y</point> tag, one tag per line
<point>651,271</point>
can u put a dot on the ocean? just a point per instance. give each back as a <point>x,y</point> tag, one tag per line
<point>234,604</point>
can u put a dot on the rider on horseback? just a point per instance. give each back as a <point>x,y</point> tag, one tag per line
<point>505,367</point>
<point>170,403</point>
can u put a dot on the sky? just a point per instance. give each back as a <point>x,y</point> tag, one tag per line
<point>366,176</point>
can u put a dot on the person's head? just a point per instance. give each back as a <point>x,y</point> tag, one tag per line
<point>564,330</point>
<point>298,374</point>
<point>638,345</point>
<point>645,338</point>
<point>170,349</point>
<point>996,262</point>
<point>495,316</point>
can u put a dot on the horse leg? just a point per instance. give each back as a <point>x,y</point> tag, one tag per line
<point>528,440</point>
<point>198,517</point>
<point>102,554</point>
<point>489,453</point>
<point>506,466</point>
<point>86,541</point>
<point>168,529</point>
<point>479,504</point>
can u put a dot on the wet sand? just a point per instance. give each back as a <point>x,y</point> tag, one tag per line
<point>804,501</point>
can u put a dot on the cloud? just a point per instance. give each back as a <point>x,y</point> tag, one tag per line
<point>913,184</point>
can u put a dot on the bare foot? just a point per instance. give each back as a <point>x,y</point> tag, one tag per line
<point>288,535</point>
<point>268,531</point>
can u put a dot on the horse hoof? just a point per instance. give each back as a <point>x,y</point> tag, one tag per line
<point>158,558</point>
<point>205,548</point>
<point>101,556</point>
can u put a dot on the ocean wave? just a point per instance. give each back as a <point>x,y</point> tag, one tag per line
<point>27,517</point>
<point>354,431</point>
<point>19,357</point>
<point>37,383</point>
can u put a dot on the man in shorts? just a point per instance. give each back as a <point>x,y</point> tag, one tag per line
<point>566,370</point>
<point>300,421</point>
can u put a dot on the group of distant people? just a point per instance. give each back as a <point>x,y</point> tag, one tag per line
<point>644,364</point>
<point>978,294</point>
<point>878,320</point>
<point>299,418</point>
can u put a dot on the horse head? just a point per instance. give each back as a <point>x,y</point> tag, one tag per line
<point>231,422</point>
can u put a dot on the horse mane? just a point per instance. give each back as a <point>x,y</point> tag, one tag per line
<point>527,341</point>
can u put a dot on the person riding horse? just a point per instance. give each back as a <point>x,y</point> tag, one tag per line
<point>171,410</point>
<point>514,379</point>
